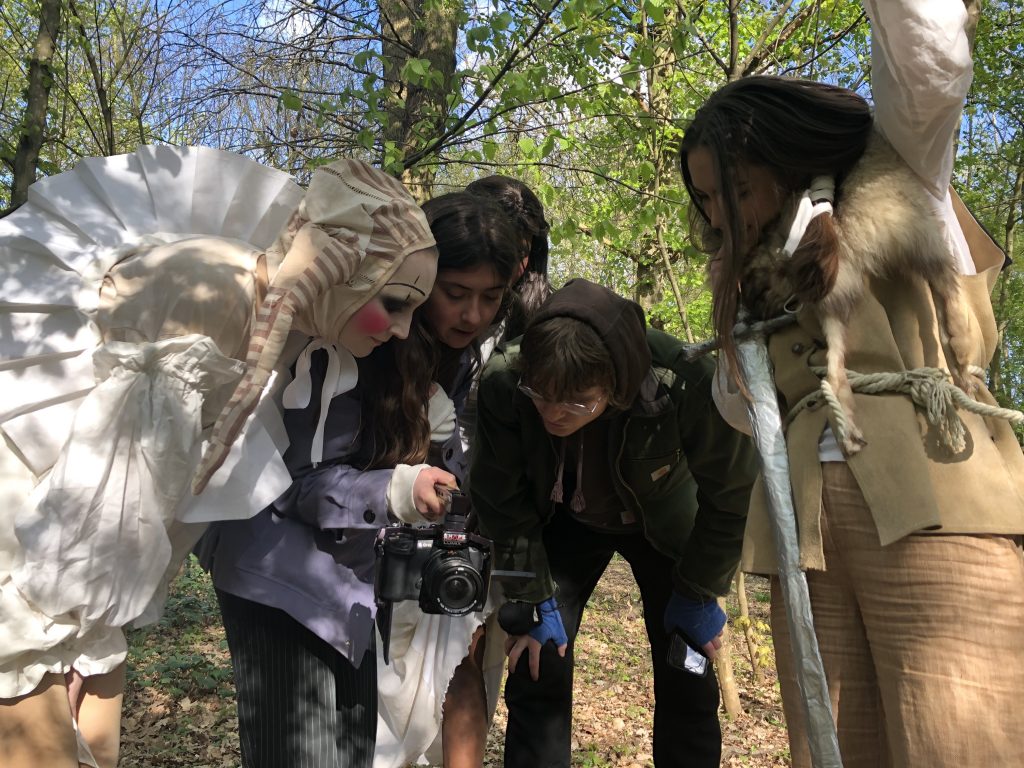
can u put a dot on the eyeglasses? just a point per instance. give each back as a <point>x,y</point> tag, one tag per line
<point>580,409</point>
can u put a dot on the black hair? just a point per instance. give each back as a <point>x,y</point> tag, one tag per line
<point>469,231</point>
<point>524,208</point>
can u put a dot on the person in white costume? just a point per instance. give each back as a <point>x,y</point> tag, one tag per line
<point>139,293</point>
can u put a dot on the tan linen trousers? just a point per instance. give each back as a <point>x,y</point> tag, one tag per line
<point>922,642</point>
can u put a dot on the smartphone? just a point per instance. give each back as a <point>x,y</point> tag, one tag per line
<point>683,655</point>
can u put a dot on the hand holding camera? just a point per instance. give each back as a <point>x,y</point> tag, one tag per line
<point>443,566</point>
<point>431,492</point>
<point>417,492</point>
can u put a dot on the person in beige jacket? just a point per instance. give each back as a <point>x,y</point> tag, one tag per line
<point>911,545</point>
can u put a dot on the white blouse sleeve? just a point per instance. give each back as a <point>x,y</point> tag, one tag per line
<point>921,73</point>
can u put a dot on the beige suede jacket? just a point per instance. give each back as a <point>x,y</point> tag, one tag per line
<point>911,483</point>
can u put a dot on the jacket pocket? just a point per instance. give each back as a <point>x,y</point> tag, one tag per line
<point>648,473</point>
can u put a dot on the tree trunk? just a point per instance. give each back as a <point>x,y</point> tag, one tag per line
<point>417,108</point>
<point>40,78</point>
<point>663,156</point>
<point>105,137</point>
<point>726,678</point>
<point>1010,241</point>
<point>973,14</point>
<point>748,629</point>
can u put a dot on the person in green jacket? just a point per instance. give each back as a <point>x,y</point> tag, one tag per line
<point>596,436</point>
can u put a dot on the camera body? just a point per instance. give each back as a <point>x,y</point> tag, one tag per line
<point>443,566</point>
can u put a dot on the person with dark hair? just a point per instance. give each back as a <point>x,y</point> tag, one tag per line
<point>532,288</point>
<point>471,698</point>
<point>434,699</point>
<point>369,442</point>
<point>596,437</point>
<point>909,524</point>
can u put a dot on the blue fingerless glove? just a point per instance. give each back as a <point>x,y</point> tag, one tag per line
<point>550,627</point>
<point>700,621</point>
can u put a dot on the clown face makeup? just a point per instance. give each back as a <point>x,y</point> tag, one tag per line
<point>389,313</point>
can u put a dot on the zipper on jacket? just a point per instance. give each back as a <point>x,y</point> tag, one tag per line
<point>622,481</point>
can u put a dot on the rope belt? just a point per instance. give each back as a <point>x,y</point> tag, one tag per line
<point>930,389</point>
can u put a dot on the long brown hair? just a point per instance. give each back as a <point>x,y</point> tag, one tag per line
<point>395,379</point>
<point>797,129</point>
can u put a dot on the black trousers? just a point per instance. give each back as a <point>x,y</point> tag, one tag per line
<point>687,733</point>
<point>301,703</point>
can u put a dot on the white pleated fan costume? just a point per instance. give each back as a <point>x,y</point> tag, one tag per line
<point>93,527</point>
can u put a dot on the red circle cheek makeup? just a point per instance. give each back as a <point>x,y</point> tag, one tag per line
<point>371,319</point>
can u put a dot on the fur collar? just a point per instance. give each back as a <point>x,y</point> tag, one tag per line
<point>885,208</point>
<point>881,207</point>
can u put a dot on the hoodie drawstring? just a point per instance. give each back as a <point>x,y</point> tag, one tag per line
<point>578,502</point>
<point>556,490</point>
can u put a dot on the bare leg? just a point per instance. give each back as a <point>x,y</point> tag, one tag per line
<point>36,729</point>
<point>99,715</point>
<point>464,725</point>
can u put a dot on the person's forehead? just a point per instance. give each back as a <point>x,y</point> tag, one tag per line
<point>477,277</point>
<point>422,262</point>
<point>415,276</point>
<point>588,393</point>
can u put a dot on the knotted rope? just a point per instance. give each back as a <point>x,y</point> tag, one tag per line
<point>930,389</point>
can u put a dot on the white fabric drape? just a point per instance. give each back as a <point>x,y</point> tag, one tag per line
<point>95,543</point>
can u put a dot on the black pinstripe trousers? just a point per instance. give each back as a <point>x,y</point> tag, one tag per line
<point>301,703</point>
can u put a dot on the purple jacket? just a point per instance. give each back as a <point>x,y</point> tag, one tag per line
<point>310,553</point>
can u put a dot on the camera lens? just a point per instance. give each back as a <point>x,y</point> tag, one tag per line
<point>452,584</point>
<point>457,592</point>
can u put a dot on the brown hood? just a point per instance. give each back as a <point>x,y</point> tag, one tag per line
<point>619,322</point>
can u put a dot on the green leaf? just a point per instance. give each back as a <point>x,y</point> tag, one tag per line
<point>290,100</point>
<point>415,70</point>
<point>501,21</point>
<point>645,56</point>
<point>393,156</point>
<point>477,35</point>
<point>548,146</point>
<point>365,139</point>
<point>655,9</point>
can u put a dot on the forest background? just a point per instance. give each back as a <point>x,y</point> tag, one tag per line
<point>584,100</point>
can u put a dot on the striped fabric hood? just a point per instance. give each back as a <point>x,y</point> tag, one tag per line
<point>353,230</point>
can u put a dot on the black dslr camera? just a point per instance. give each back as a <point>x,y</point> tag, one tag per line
<point>443,566</point>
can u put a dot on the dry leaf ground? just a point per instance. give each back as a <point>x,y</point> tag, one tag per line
<point>179,708</point>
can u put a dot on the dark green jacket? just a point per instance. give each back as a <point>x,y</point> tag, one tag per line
<point>677,466</point>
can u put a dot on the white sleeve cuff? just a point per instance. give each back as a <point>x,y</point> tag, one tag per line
<point>399,494</point>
